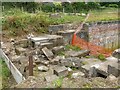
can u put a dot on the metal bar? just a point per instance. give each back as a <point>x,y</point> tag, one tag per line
<point>30,65</point>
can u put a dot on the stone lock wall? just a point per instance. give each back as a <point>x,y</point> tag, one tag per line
<point>104,34</point>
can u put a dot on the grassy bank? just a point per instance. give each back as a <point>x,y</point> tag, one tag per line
<point>20,23</point>
<point>4,74</point>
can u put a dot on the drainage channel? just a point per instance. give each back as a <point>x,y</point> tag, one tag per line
<point>15,72</point>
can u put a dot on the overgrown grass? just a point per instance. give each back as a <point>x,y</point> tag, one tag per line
<point>4,73</point>
<point>107,14</point>
<point>18,22</point>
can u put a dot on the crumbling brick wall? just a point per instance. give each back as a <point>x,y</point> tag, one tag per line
<point>103,33</point>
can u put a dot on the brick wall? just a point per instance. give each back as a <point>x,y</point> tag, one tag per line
<point>104,33</point>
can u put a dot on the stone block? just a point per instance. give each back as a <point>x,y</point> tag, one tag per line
<point>48,53</point>
<point>56,60</point>
<point>55,28</point>
<point>71,62</point>
<point>80,53</point>
<point>44,62</point>
<point>77,74</point>
<point>43,68</point>
<point>57,49</point>
<point>51,78</point>
<point>114,69</point>
<point>61,71</point>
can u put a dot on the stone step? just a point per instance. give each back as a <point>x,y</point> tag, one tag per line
<point>45,39</point>
<point>47,44</point>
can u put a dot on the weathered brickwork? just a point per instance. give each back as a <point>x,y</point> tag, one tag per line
<point>104,34</point>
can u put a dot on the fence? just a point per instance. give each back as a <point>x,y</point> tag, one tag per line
<point>94,49</point>
<point>15,72</point>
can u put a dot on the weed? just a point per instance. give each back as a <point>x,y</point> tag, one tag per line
<point>101,57</point>
<point>84,63</point>
<point>58,82</point>
<point>118,87</point>
<point>87,85</point>
<point>62,53</point>
<point>87,56</point>
<point>70,47</point>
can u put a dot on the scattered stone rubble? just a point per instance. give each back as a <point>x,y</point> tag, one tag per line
<point>46,55</point>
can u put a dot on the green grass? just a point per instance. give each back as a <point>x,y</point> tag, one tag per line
<point>4,74</point>
<point>5,71</point>
<point>107,14</point>
<point>62,53</point>
<point>17,21</point>
<point>58,82</point>
<point>70,47</point>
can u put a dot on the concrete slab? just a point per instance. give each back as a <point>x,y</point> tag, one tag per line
<point>66,32</point>
<point>61,71</point>
<point>71,62</point>
<point>57,49</point>
<point>51,78</point>
<point>114,69</point>
<point>102,68</point>
<point>56,60</point>
<point>43,68</point>
<point>48,53</point>
<point>45,39</point>
<point>80,53</point>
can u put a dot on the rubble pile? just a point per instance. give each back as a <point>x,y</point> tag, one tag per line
<point>51,60</point>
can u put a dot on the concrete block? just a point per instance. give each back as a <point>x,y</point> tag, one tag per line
<point>56,60</point>
<point>114,69</point>
<point>57,49</point>
<point>48,53</point>
<point>71,62</point>
<point>51,78</point>
<point>43,68</point>
<point>61,71</point>
<point>80,53</point>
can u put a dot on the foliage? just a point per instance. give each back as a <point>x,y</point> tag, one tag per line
<point>102,15</point>
<point>61,53</point>
<point>4,74</point>
<point>5,71</point>
<point>101,57</point>
<point>58,6</point>
<point>17,21</point>
<point>58,82</point>
<point>75,48</point>
<point>87,85</point>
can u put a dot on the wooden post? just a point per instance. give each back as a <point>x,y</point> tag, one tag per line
<point>30,65</point>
